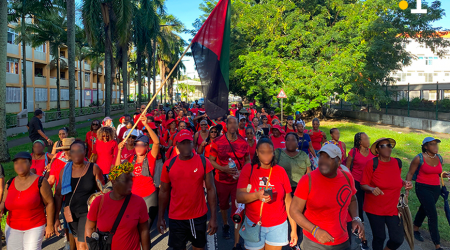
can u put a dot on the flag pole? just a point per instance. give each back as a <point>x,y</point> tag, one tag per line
<point>160,87</point>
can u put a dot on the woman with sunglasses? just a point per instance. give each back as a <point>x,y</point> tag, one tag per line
<point>205,147</point>
<point>265,127</point>
<point>268,207</point>
<point>426,170</point>
<point>39,158</point>
<point>382,182</point>
<point>202,135</point>
<point>181,125</point>
<point>169,115</point>
<point>144,169</point>
<point>304,141</point>
<point>91,137</point>
<point>251,140</point>
<point>62,133</point>
<point>105,149</point>
<point>126,148</point>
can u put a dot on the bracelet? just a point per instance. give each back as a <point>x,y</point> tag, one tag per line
<point>312,230</point>
<point>315,231</point>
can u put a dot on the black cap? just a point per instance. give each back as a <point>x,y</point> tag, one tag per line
<point>142,138</point>
<point>22,155</point>
<point>38,112</point>
<point>290,117</point>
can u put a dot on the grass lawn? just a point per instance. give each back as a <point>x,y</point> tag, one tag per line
<point>408,146</point>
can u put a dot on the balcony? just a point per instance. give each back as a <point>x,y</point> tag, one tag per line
<point>40,80</point>
<point>12,49</point>
<point>40,55</point>
<point>12,78</point>
<point>87,67</point>
<point>64,82</point>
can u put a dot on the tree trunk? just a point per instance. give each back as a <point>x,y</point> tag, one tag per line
<point>108,62</point>
<point>149,59</point>
<point>162,76</point>
<point>24,63</point>
<point>98,77</point>
<point>71,59</point>
<point>58,88</point>
<point>125,77</point>
<point>138,59</point>
<point>154,70</point>
<point>4,154</point>
<point>81,88</point>
<point>170,87</point>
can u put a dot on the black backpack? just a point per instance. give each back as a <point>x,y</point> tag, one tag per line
<point>41,178</point>
<point>375,163</point>
<point>176,157</point>
<point>421,163</point>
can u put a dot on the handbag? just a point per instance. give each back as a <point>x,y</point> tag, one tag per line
<point>252,233</point>
<point>102,240</point>
<point>67,212</point>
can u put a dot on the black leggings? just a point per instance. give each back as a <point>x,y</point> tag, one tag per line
<point>152,205</point>
<point>360,197</point>
<point>395,230</point>
<point>428,195</point>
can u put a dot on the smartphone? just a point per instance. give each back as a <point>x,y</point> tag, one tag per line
<point>269,192</point>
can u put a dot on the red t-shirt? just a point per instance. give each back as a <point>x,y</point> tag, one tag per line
<point>126,153</point>
<point>387,178</point>
<point>316,139</point>
<point>168,135</point>
<point>359,163</point>
<point>143,185</point>
<point>57,165</point>
<point>242,132</point>
<point>429,175</point>
<point>274,212</point>
<point>187,200</point>
<point>91,138</point>
<point>38,165</point>
<point>127,234</point>
<point>233,112</point>
<point>194,111</point>
<point>278,142</point>
<point>222,150</point>
<point>26,209</point>
<point>106,154</point>
<point>288,130</point>
<point>122,132</point>
<point>252,149</point>
<point>327,203</point>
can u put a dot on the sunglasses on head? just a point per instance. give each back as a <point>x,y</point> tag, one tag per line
<point>385,146</point>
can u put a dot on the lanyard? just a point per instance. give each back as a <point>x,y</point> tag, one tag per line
<point>262,203</point>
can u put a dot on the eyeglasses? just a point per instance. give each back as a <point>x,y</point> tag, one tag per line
<point>77,151</point>
<point>215,132</point>
<point>385,146</point>
<point>133,137</point>
<point>95,124</point>
<point>249,133</point>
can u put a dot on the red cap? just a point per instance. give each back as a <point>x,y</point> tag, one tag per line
<point>121,119</point>
<point>279,128</point>
<point>158,119</point>
<point>251,104</point>
<point>151,125</point>
<point>233,105</point>
<point>169,122</point>
<point>184,135</point>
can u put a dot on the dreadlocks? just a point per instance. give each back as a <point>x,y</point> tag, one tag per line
<point>357,142</point>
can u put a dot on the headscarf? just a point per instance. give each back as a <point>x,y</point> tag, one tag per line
<point>39,141</point>
<point>123,168</point>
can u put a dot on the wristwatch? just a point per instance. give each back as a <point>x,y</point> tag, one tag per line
<point>357,219</point>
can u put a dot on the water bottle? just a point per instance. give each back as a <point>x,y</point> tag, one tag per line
<point>232,164</point>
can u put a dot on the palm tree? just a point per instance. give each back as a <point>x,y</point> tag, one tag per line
<point>20,10</point>
<point>49,28</point>
<point>4,154</point>
<point>71,47</point>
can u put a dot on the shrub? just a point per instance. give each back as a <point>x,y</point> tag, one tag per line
<point>403,102</point>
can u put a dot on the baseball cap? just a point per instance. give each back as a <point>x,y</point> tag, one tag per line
<point>134,132</point>
<point>430,139</point>
<point>332,150</point>
<point>151,125</point>
<point>279,129</point>
<point>290,117</point>
<point>169,122</point>
<point>184,135</point>
<point>22,155</point>
<point>251,104</point>
<point>142,138</point>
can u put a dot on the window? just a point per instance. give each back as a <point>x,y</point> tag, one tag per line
<point>429,95</point>
<point>39,72</point>
<point>446,94</point>
<point>429,59</point>
<point>12,65</point>
<point>53,95</point>
<point>87,77</point>
<point>64,94</point>
<point>40,94</point>
<point>40,48</point>
<point>12,95</point>
<point>62,75</point>
<point>62,54</point>
<point>401,77</point>
<point>429,77</point>
<point>12,35</point>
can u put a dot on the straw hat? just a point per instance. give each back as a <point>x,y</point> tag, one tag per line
<point>66,142</point>
<point>375,144</point>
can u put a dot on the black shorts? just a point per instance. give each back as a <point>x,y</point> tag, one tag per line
<point>77,226</point>
<point>182,231</point>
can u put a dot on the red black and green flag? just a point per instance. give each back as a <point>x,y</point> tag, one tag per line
<point>211,51</point>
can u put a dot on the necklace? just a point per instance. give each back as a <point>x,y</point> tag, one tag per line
<point>430,156</point>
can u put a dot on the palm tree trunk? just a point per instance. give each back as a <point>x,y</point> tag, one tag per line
<point>24,62</point>
<point>161,76</point>
<point>108,64</point>
<point>98,77</point>
<point>149,59</point>
<point>71,59</point>
<point>139,66</point>
<point>4,154</point>
<point>154,69</point>
<point>58,76</point>
<point>125,78</point>
<point>81,88</point>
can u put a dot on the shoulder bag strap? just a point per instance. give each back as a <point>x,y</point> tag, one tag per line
<point>73,193</point>
<point>233,150</point>
<point>353,159</point>
<point>119,216</point>
<point>262,203</point>
<point>346,177</point>
<point>279,155</point>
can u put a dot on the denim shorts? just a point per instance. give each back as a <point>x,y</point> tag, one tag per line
<point>273,236</point>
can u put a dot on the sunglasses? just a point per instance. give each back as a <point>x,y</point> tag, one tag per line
<point>386,146</point>
<point>133,137</point>
<point>95,124</point>
<point>215,132</point>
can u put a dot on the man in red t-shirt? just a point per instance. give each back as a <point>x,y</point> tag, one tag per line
<point>182,181</point>
<point>324,222</point>
<point>230,145</point>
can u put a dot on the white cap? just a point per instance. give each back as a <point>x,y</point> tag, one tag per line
<point>332,150</point>
<point>135,133</point>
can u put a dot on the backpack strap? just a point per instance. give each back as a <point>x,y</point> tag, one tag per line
<point>400,163</point>
<point>8,183</point>
<point>171,163</point>
<point>41,178</point>
<point>46,159</point>
<point>375,163</point>
<point>171,151</point>
<point>418,167</point>
<point>202,157</point>
<point>279,155</point>
<point>440,158</point>
<point>119,216</point>
<point>346,177</point>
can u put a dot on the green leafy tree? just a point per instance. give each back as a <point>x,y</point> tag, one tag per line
<point>4,154</point>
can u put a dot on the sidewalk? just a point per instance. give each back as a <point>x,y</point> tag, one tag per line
<point>24,140</point>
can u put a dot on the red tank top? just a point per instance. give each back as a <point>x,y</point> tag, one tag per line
<point>39,165</point>
<point>316,139</point>
<point>429,175</point>
<point>26,209</point>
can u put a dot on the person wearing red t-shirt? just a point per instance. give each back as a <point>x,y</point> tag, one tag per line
<point>335,136</point>
<point>265,189</point>
<point>140,126</point>
<point>242,122</point>
<point>228,146</point>
<point>290,126</point>
<point>201,135</point>
<point>277,137</point>
<point>426,170</point>
<point>182,181</point>
<point>318,137</point>
<point>382,182</point>
<point>324,221</point>
<point>181,126</point>
<point>133,232</point>
<point>40,159</point>
<point>105,149</point>
<point>171,129</point>
<point>251,140</point>
<point>205,147</point>
<point>233,110</point>
<point>59,161</point>
<point>91,137</point>
<point>126,148</point>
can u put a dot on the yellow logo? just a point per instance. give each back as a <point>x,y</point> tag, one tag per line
<point>403,5</point>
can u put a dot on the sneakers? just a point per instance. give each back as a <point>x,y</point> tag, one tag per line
<point>226,232</point>
<point>364,245</point>
<point>238,247</point>
<point>418,236</point>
